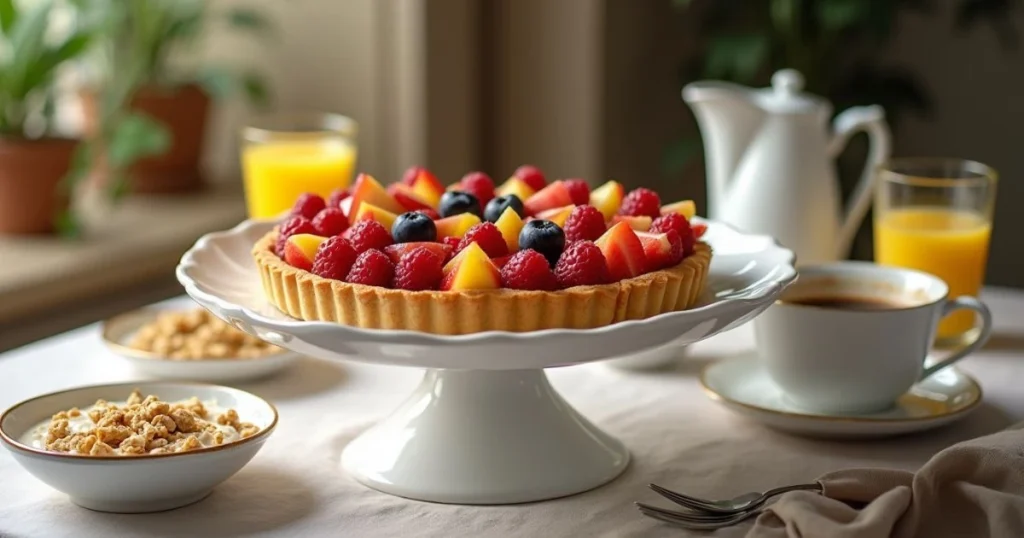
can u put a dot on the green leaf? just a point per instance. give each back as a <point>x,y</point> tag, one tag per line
<point>842,14</point>
<point>68,224</point>
<point>136,136</point>
<point>8,15</point>
<point>26,40</point>
<point>40,70</point>
<point>737,57</point>
<point>255,89</point>
<point>219,83</point>
<point>248,19</point>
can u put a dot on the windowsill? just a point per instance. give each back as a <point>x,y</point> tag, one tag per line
<point>137,243</point>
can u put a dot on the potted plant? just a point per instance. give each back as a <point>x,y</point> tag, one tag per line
<point>164,104</point>
<point>33,157</point>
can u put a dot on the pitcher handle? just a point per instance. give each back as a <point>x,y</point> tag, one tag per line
<point>870,119</point>
<point>969,303</point>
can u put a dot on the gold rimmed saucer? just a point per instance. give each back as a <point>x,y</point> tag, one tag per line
<point>743,386</point>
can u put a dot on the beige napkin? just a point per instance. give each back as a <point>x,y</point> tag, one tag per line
<point>974,489</point>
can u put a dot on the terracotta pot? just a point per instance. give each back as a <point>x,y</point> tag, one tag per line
<point>30,173</point>
<point>183,110</point>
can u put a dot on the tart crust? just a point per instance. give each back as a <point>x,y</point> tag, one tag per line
<point>303,295</point>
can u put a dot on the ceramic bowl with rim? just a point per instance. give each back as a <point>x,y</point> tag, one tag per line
<point>118,331</point>
<point>135,484</point>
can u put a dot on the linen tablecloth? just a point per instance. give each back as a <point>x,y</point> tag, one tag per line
<point>295,485</point>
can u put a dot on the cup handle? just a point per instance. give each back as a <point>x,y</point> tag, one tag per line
<point>970,303</point>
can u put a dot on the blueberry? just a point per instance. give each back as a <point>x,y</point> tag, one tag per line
<point>498,205</point>
<point>457,203</point>
<point>545,237</point>
<point>412,227</point>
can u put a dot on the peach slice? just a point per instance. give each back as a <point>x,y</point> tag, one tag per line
<point>641,223</point>
<point>557,215</point>
<point>510,224</point>
<point>300,250</point>
<point>623,252</point>
<point>368,211</point>
<point>685,208</point>
<point>455,225</point>
<point>517,187</point>
<point>369,190</point>
<point>554,195</point>
<point>471,269</point>
<point>607,198</point>
<point>428,188</point>
<point>407,198</point>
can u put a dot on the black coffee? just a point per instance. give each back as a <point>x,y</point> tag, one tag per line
<point>848,303</point>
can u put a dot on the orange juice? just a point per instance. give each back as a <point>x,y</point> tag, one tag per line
<point>950,244</point>
<point>277,172</point>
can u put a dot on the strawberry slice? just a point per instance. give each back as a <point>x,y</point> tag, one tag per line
<point>623,251</point>
<point>550,197</point>
<point>661,249</point>
<point>395,252</point>
<point>699,229</point>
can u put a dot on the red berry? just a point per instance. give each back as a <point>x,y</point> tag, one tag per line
<point>582,264</point>
<point>579,191</point>
<point>411,173</point>
<point>488,236</point>
<point>641,203</point>
<point>419,269</point>
<point>678,248</point>
<point>337,195</point>
<point>372,268</point>
<point>528,270</point>
<point>334,258</point>
<point>367,234</point>
<point>330,222</point>
<point>699,230</point>
<point>430,213</point>
<point>679,224</point>
<point>308,205</point>
<point>531,175</point>
<point>585,223</point>
<point>455,242</point>
<point>480,185</point>
<point>500,262</point>
<point>290,227</point>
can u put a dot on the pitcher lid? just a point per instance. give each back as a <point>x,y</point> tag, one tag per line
<point>786,94</point>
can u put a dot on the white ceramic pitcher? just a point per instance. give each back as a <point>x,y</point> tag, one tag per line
<point>770,162</point>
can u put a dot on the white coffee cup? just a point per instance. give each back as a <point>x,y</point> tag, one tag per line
<point>867,347</point>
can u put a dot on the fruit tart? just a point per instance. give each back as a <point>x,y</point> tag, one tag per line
<point>523,256</point>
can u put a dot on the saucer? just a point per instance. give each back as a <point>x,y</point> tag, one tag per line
<point>743,386</point>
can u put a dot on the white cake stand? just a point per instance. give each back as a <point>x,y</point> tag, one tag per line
<point>485,426</point>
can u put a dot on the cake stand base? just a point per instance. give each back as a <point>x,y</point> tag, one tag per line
<point>484,437</point>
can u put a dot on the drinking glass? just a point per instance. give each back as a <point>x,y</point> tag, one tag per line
<point>935,215</point>
<point>285,155</point>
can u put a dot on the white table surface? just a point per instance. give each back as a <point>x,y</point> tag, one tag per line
<point>295,486</point>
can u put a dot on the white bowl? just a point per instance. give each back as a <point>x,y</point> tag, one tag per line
<point>133,484</point>
<point>118,331</point>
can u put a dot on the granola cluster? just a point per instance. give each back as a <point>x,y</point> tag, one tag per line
<point>145,426</point>
<point>197,334</point>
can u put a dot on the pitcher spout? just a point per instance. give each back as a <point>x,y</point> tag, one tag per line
<point>728,118</point>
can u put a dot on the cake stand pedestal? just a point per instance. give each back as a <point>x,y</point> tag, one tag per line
<point>485,426</point>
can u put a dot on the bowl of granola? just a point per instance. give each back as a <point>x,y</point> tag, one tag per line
<point>137,447</point>
<point>191,344</point>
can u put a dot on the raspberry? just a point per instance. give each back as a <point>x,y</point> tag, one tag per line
<point>308,205</point>
<point>585,223</point>
<point>294,225</point>
<point>337,196</point>
<point>367,234</point>
<point>678,223</point>
<point>480,185</point>
<point>579,191</point>
<point>531,175</point>
<point>582,264</point>
<point>334,258</point>
<point>641,203</point>
<point>330,222</point>
<point>528,270</point>
<point>372,268</point>
<point>454,242</point>
<point>488,236</point>
<point>430,213</point>
<point>419,269</point>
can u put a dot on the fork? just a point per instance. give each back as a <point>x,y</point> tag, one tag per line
<point>695,520</point>
<point>736,505</point>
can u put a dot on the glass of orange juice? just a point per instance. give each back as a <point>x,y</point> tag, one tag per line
<point>285,155</point>
<point>935,215</point>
